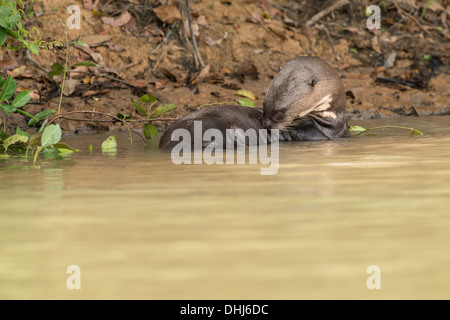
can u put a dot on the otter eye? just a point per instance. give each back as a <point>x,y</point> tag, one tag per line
<point>278,115</point>
<point>279,69</point>
<point>312,82</point>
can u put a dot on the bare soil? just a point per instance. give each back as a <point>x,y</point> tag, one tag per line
<point>243,43</point>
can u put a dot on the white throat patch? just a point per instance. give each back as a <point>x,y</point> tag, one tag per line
<point>324,104</point>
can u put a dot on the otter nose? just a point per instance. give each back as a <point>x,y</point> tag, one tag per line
<point>267,123</point>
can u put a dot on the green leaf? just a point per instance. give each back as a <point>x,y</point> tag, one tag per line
<point>110,144</point>
<point>13,140</point>
<point>246,103</point>
<point>123,117</point>
<point>166,108</point>
<point>3,135</point>
<point>51,135</point>
<point>7,109</point>
<point>138,108</point>
<point>32,47</point>
<point>22,133</point>
<point>81,43</point>
<point>4,156</point>
<point>85,63</point>
<point>2,36</point>
<point>57,69</point>
<point>9,87</point>
<point>41,116</point>
<point>90,148</point>
<point>357,129</point>
<point>51,153</point>
<point>21,99</point>
<point>148,98</point>
<point>416,132</point>
<point>150,131</point>
<point>63,146</point>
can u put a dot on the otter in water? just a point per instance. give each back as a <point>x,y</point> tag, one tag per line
<point>221,117</point>
<point>305,100</point>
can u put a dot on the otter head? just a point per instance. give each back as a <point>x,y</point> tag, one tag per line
<point>305,87</point>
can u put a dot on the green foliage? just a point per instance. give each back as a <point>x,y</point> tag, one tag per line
<point>110,144</point>
<point>146,108</point>
<point>11,26</point>
<point>246,103</point>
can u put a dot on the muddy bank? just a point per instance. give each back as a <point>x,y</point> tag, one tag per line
<point>399,70</point>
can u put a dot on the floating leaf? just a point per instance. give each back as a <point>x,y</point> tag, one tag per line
<point>51,135</point>
<point>150,131</point>
<point>57,69</point>
<point>21,99</point>
<point>63,146</point>
<point>110,144</point>
<point>416,132</point>
<point>51,153</point>
<point>246,103</point>
<point>245,94</point>
<point>165,108</point>
<point>148,98</point>
<point>13,140</point>
<point>9,87</point>
<point>41,116</point>
<point>357,129</point>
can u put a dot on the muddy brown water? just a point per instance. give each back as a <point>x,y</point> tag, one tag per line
<point>139,226</point>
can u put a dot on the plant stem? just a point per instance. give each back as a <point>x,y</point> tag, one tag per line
<point>64,74</point>
<point>26,114</point>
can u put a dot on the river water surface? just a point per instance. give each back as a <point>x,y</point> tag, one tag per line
<point>139,226</point>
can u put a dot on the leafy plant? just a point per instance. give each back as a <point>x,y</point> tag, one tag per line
<point>11,26</point>
<point>146,107</point>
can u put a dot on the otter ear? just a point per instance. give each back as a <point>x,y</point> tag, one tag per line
<point>312,82</point>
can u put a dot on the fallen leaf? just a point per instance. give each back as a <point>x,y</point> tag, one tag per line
<point>231,86</point>
<point>278,31</point>
<point>168,14</point>
<point>204,73</point>
<point>201,20</point>
<point>119,21</point>
<point>69,86</point>
<point>225,71</point>
<point>160,84</point>
<point>7,65</point>
<point>87,80</point>
<point>376,44</point>
<point>195,28</point>
<point>79,72</point>
<point>168,74</point>
<point>131,24</point>
<point>360,76</point>
<point>96,40</point>
<point>114,47</point>
<point>93,93</point>
<point>245,94</point>
<point>88,5</point>
<point>18,72</point>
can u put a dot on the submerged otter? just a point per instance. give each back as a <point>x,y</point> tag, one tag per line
<point>305,100</point>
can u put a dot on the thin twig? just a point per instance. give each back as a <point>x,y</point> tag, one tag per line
<point>35,63</point>
<point>325,12</point>
<point>324,28</point>
<point>194,42</point>
<point>403,12</point>
<point>99,113</point>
